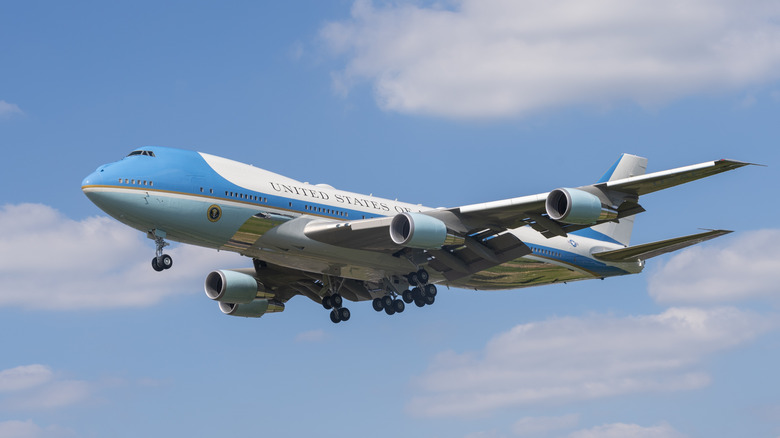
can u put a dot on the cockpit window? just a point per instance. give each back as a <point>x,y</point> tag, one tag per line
<point>147,153</point>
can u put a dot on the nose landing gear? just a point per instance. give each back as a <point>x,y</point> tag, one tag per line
<point>161,261</point>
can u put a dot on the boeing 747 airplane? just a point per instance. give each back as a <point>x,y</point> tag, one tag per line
<point>330,245</point>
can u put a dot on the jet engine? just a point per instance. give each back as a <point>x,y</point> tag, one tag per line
<point>255,309</point>
<point>416,230</point>
<point>573,206</point>
<point>231,287</point>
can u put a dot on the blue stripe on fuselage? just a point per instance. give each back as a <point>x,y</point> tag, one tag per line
<point>576,260</point>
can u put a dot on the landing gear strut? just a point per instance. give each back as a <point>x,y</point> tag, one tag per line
<point>161,261</point>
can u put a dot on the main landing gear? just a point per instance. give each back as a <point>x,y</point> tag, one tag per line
<point>161,261</point>
<point>338,313</point>
<point>422,294</point>
<point>335,302</point>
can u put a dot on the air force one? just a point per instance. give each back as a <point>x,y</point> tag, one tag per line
<point>330,245</point>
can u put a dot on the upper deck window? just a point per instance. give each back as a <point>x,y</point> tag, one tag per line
<point>147,153</point>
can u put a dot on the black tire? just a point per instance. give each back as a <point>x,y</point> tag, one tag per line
<point>336,301</point>
<point>390,310</point>
<point>377,303</point>
<point>417,294</point>
<point>430,290</point>
<point>166,260</point>
<point>429,299</point>
<point>334,316</point>
<point>419,302</point>
<point>155,266</point>
<point>407,296</point>
<point>344,314</point>
<point>423,276</point>
<point>326,303</point>
<point>413,280</point>
<point>398,306</point>
<point>387,301</point>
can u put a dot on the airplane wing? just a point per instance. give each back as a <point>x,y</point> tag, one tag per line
<point>480,230</point>
<point>649,250</point>
<point>621,193</point>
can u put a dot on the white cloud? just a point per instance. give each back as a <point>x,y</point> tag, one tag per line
<point>28,429</point>
<point>496,58</point>
<point>621,430</point>
<point>535,426</point>
<point>562,360</point>
<point>9,109</point>
<point>743,267</point>
<point>35,387</point>
<point>50,261</point>
<point>24,377</point>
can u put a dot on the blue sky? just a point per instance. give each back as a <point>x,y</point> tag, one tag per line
<point>445,104</point>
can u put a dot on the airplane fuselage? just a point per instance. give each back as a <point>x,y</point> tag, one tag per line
<point>209,201</point>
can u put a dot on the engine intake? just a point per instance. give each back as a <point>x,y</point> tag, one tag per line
<point>573,206</point>
<point>231,287</point>
<point>416,230</point>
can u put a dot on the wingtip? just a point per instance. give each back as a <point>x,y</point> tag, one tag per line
<point>737,163</point>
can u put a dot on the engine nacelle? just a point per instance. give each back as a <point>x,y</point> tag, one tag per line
<point>416,230</point>
<point>231,287</point>
<point>255,309</point>
<point>578,207</point>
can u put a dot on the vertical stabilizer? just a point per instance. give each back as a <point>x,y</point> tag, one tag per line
<point>625,167</point>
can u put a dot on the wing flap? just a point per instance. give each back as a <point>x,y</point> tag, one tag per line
<point>475,256</point>
<point>654,249</point>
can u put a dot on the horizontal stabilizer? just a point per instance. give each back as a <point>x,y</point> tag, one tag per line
<point>649,250</point>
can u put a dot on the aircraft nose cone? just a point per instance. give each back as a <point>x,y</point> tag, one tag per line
<point>93,179</point>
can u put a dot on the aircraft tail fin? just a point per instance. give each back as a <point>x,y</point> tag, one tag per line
<point>626,166</point>
<point>648,250</point>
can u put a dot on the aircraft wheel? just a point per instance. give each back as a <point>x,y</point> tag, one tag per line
<point>390,310</point>
<point>336,301</point>
<point>344,314</point>
<point>429,299</point>
<point>417,294</point>
<point>419,302</point>
<point>326,303</point>
<point>423,276</point>
<point>334,316</point>
<point>387,301</point>
<point>398,306</point>
<point>155,266</point>
<point>413,279</point>
<point>430,290</point>
<point>166,261</point>
<point>407,296</point>
<point>377,303</point>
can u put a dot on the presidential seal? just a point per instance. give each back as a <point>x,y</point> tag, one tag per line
<point>214,213</point>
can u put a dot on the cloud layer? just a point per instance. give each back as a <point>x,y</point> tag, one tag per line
<point>578,358</point>
<point>498,58</point>
<point>50,261</point>
<point>35,387</point>
<point>622,430</point>
<point>744,268</point>
<point>9,109</point>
